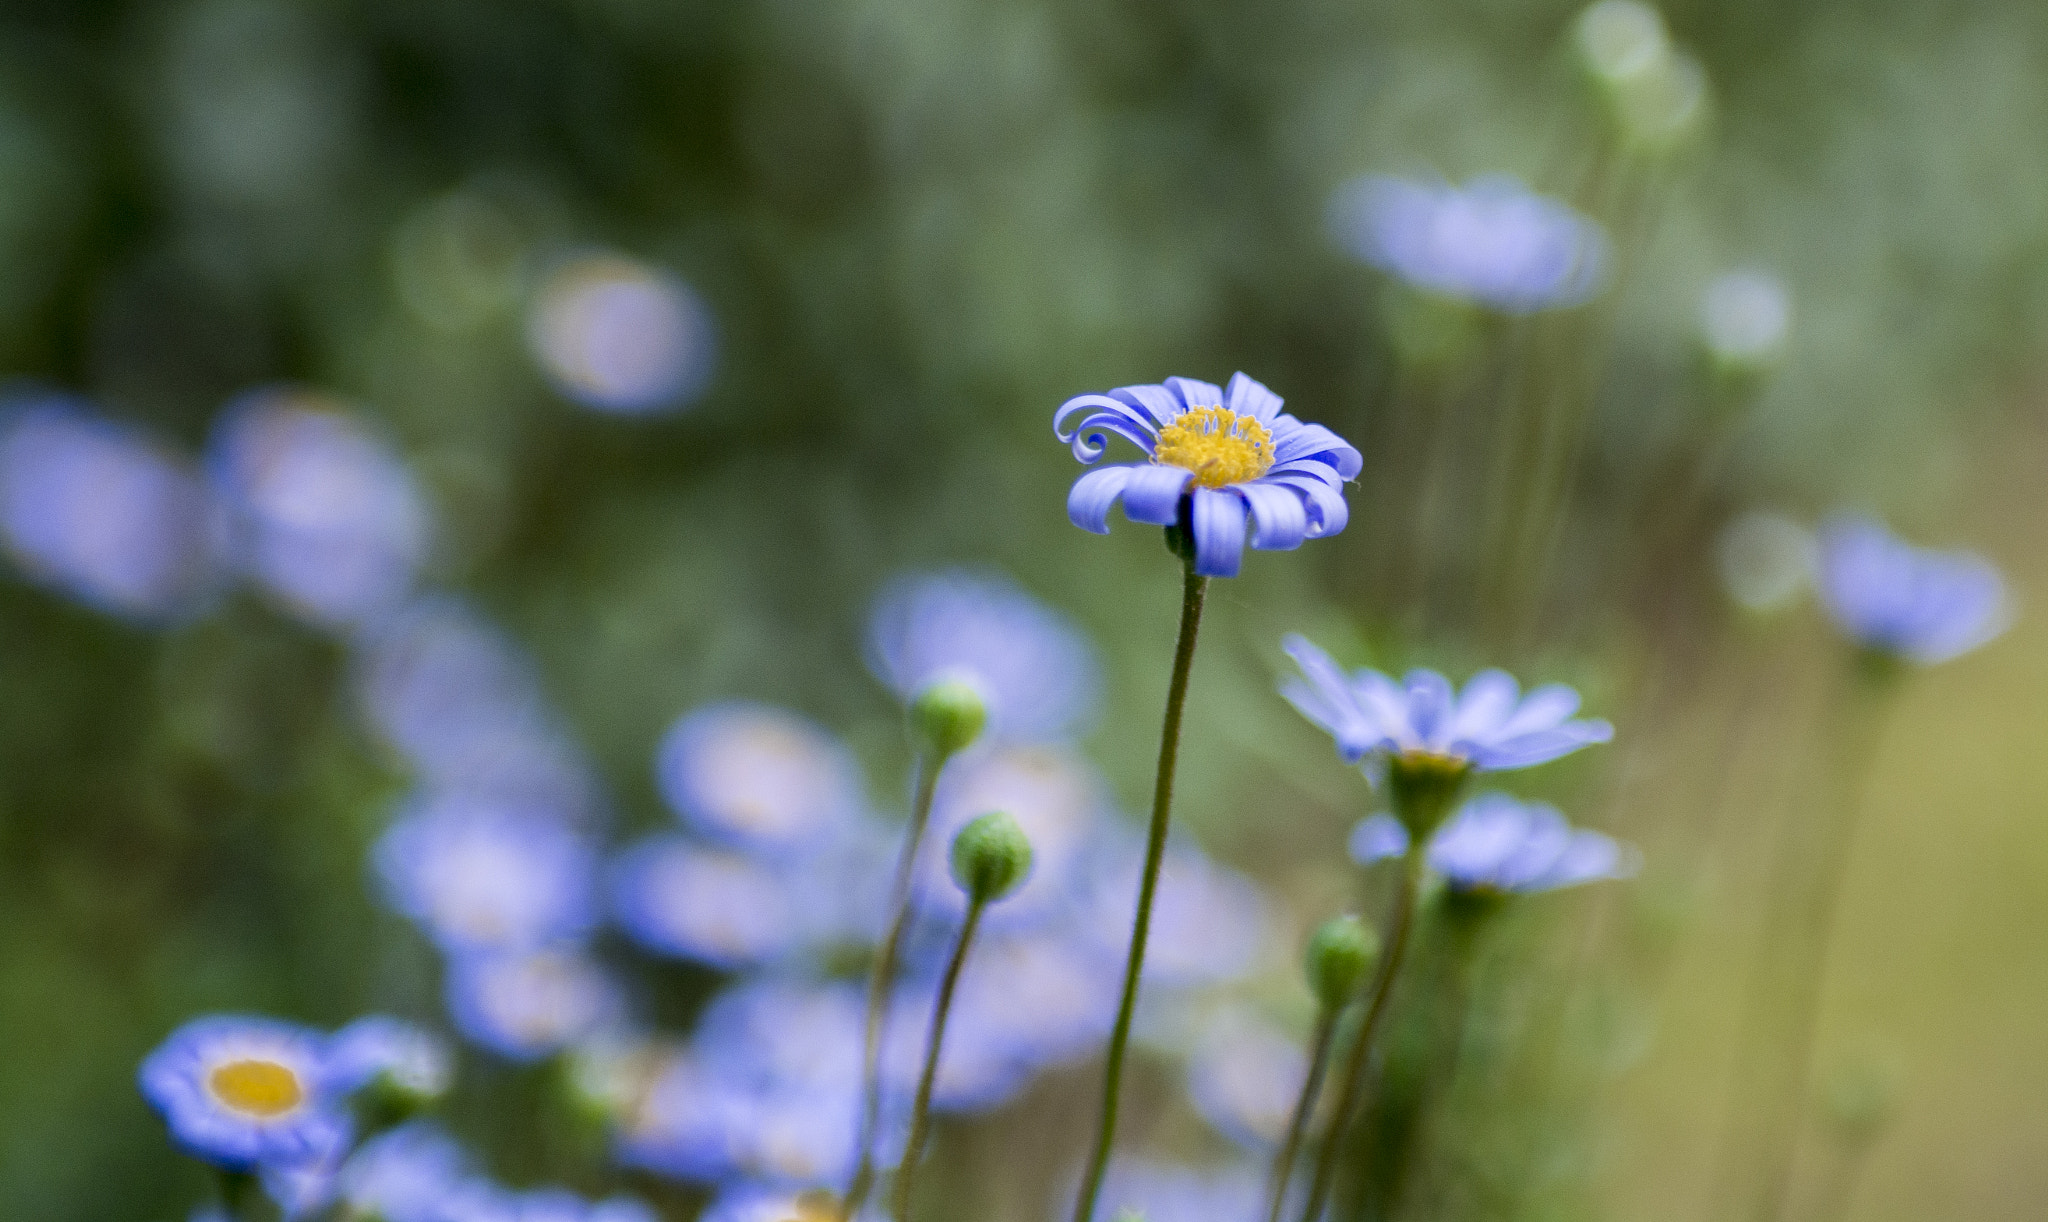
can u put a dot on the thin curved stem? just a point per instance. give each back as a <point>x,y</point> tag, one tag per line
<point>921,1110</point>
<point>1193,587</point>
<point>1304,1107</point>
<point>1382,987</point>
<point>884,979</point>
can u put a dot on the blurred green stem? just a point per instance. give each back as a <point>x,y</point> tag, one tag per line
<point>239,1194</point>
<point>1304,1107</point>
<point>1398,928</point>
<point>1193,587</point>
<point>920,1112</point>
<point>884,978</point>
<point>1775,1066</point>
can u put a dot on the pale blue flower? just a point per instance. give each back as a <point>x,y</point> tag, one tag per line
<point>1378,837</point>
<point>758,778</point>
<point>403,1175</point>
<point>1209,923</point>
<point>479,875</point>
<point>1243,1077</point>
<point>709,905</point>
<point>1496,843</point>
<point>621,337</point>
<point>1058,799</point>
<point>1165,1192</point>
<point>406,1057</point>
<point>528,1005</point>
<point>1491,725</point>
<point>104,515</point>
<point>1227,459</point>
<point>242,1092</point>
<point>1033,667</point>
<point>482,1201</point>
<point>328,518</point>
<point>1922,605</point>
<point>1492,241</point>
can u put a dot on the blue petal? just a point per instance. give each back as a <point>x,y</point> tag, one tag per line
<point>1088,439</point>
<point>1430,697</point>
<point>1327,512</point>
<point>1281,520</point>
<point>1089,500</point>
<point>1377,838</point>
<point>1219,532</point>
<point>1248,397</point>
<point>1153,495</point>
<point>1196,393</point>
<point>1547,706</point>
<point>1156,401</point>
<point>1541,746</point>
<point>1313,439</point>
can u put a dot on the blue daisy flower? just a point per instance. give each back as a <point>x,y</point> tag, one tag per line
<point>1491,241</point>
<point>378,1049</point>
<point>707,905</point>
<point>1500,844</point>
<point>1889,596</point>
<point>403,1175</point>
<point>758,778</point>
<point>526,1006</point>
<point>1490,726</point>
<point>241,1092</point>
<point>1227,459</point>
<point>1033,666</point>
<point>478,875</point>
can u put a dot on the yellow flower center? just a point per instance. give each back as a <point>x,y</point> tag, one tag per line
<point>260,1088</point>
<point>1220,446</point>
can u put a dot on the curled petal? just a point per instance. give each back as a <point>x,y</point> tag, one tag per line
<point>1308,468</point>
<point>1089,500</point>
<point>1313,439</point>
<point>1196,393</point>
<point>1246,396</point>
<point>1219,531</point>
<point>1153,495</point>
<point>1280,518</point>
<point>1089,439</point>
<point>1156,401</point>
<point>1327,512</point>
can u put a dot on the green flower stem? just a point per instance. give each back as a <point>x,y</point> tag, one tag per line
<point>920,1111</point>
<point>1304,1107</point>
<point>884,979</point>
<point>239,1194</point>
<point>1382,986</point>
<point>1193,587</point>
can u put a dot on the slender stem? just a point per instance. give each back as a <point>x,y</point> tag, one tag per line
<point>1304,1107</point>
<point>1382,987</point>
<point>239,1191</point>
<point>884,979</point>
<point>921,1111</point>
<point>1193,586</point>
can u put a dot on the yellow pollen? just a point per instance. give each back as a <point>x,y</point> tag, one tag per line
<point>1220,446</point>
<point>261,1088</point>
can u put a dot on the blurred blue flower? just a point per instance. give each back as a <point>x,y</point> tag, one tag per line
<point>1922,605</point>
<point>1055,796</point>
<point>241,1092</point>
<point>1377,838</point>
<point>1491,725</point>
<point>768,1203</point>
<point>1233,456</point>
<point>461,703</point>
<point>1492,241</point>
<point>708,905</point>
<point>479,875</point>
<point>1209,923</point>
<point>526,1005</point>
<point>378,1047</point>
<point>328,518</point>
<point>1164,1192</point>
<point>1500,844</point>
<point>1034,668</point>
<point>102,514</point>
<point>480,1200</point>
<point>1243,1077</point>
<point>403,1175</point>
<point>758,778</point>
<point>621,337</point>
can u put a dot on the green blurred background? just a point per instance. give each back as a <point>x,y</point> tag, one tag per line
<point>920,226</point>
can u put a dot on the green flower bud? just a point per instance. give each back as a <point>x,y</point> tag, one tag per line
<point>990,857</point>
<point>1339,953</point>
<point>948,715</point>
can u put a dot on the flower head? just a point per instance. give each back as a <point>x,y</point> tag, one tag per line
<point>1489,727</point>
<point>402,1175</point>
<point>392,1055</point>
<point>480,876</point>
<point>242,1092</point>
<point>524,1006</point>
<point>1231,458</point>
<point>1889,596</point>
<point>1492,241</point>
<point>709,905</point>
<point>1499,844</point>
<point>1033,666</point>
<point>758,778</point>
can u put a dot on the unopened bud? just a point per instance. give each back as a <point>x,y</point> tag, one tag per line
<point>947,715</point>
<point>1339,954</point>
<point>990,857</point>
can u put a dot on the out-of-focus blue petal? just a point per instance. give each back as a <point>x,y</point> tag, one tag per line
<point>1501,844</point>
<point>1430,699</point>
<point>1089,501</point>
<point>482,875</point>
<point>1152,495</point>
<point>1279,516</point>
<point>1484,705</point>
<point>713,907</point>
<point>1243,1077</point>
<point>1378,837</point>
<point>526,1006</point>
<point>759,778</point>
<point>1547,706</point>
<point>1923,605</point>
<point>1540,746</point>
<point>1219,521</point>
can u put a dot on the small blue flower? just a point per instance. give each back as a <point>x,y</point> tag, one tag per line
<point>377,1047</point>
<point>241,1092</point>
<point>766,1203</point>
<point>758,778</point>
<point>1034,668</point>
<point>477,875</point>
<point>1244,1076</point>
<point>403,1175</point>
<point>708,905</point>
<point>329,519</point>
<point>1492,241</point>
<point>1233,458</point>
<point>525,1006</point>
<point>1500,844</point>
<point>1208,922</point>
<point>1378,837</point>
<point>1889,596</point>
<point>1491,726</point>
